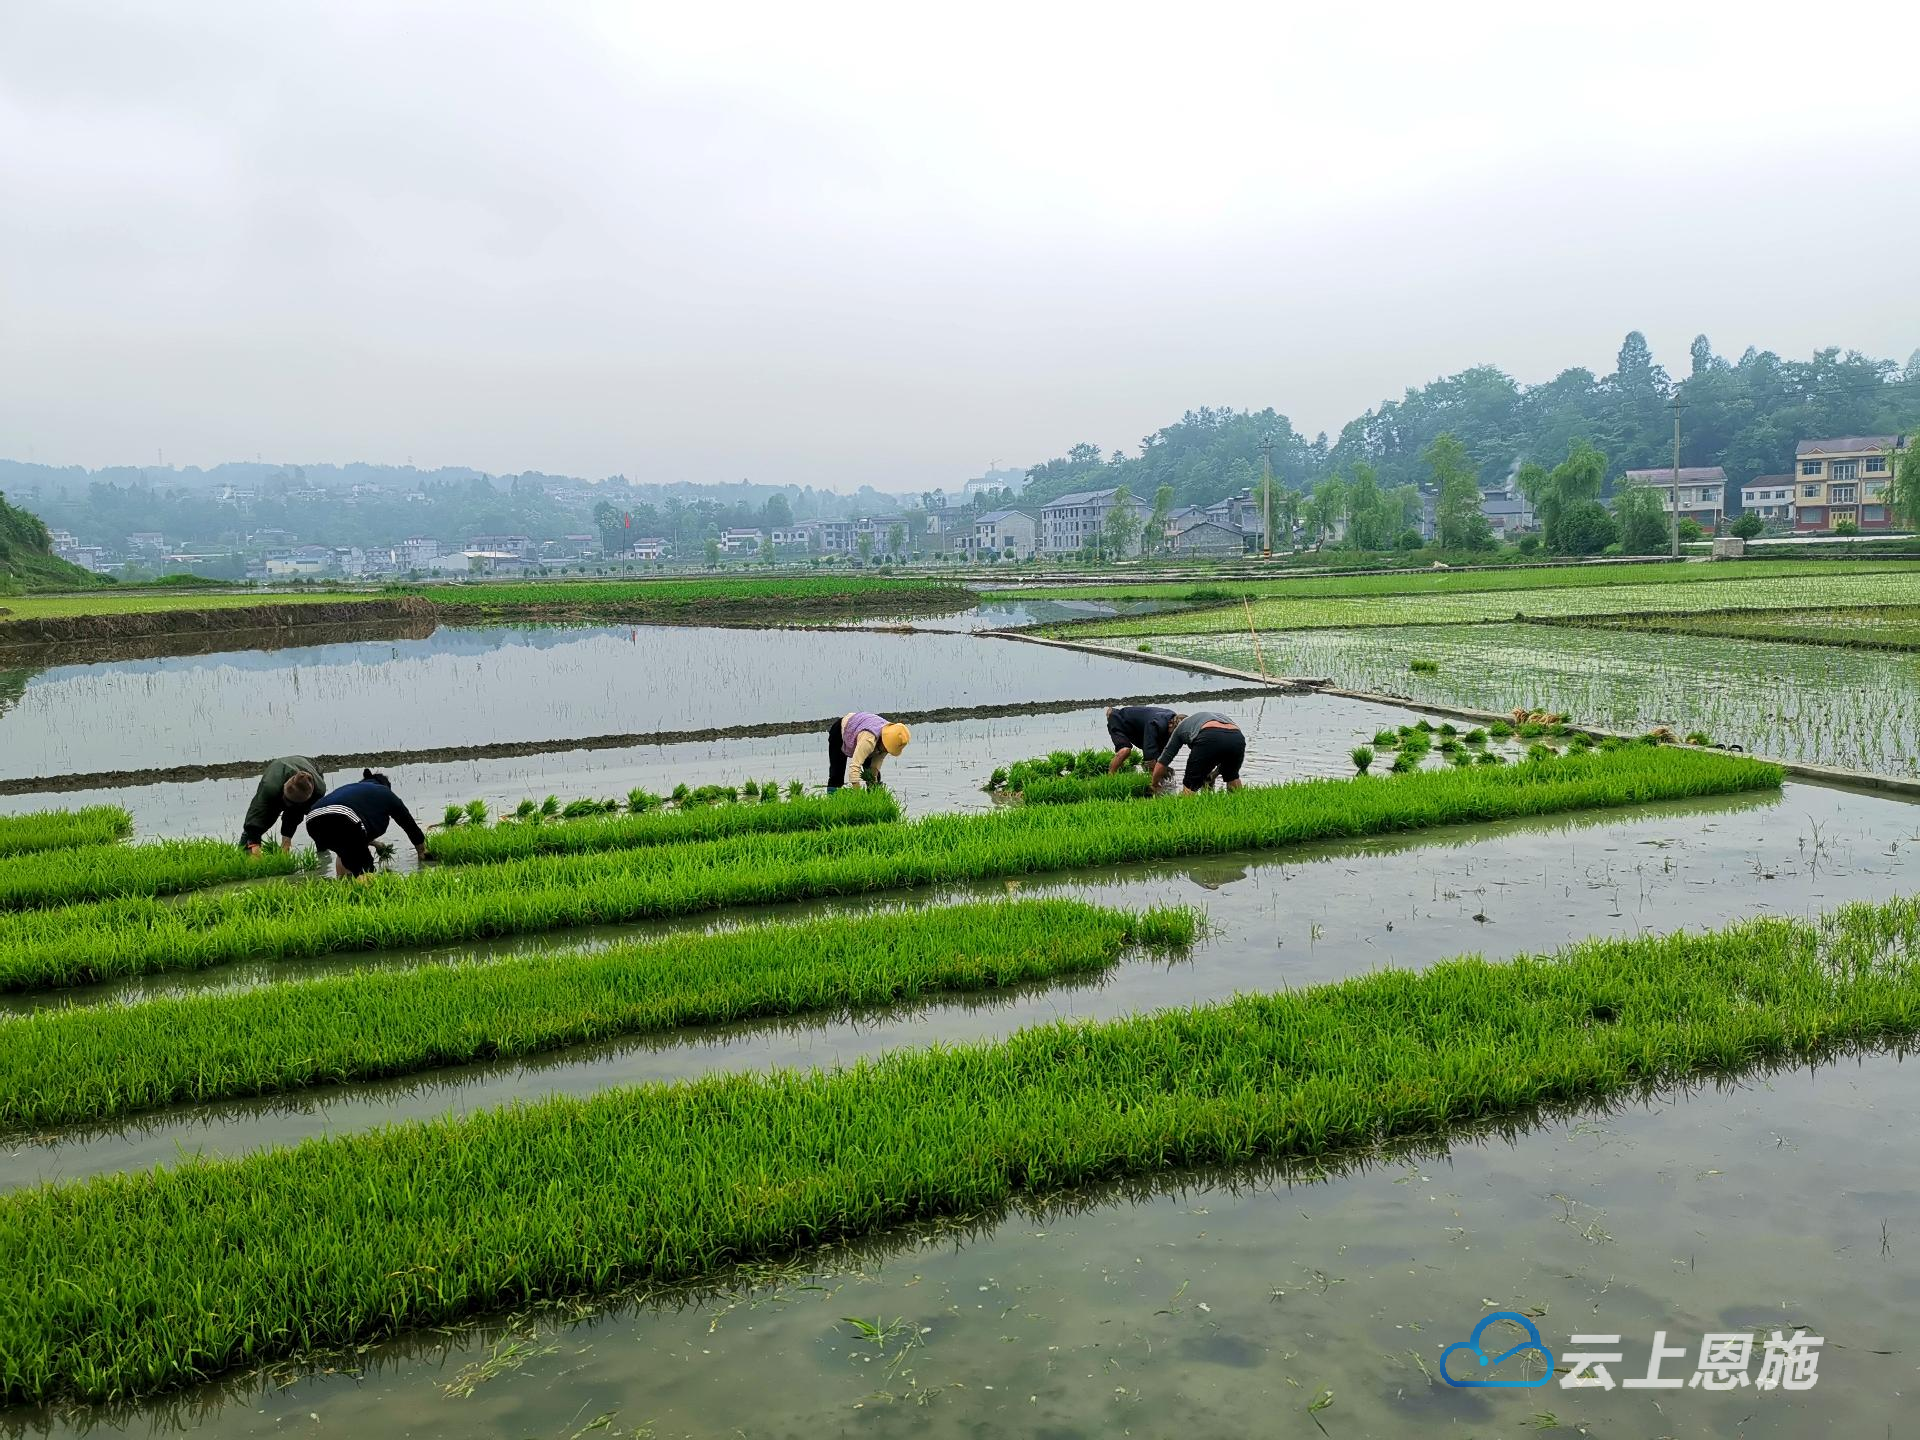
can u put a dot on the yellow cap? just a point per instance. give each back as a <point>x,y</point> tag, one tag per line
<point>894,737</point>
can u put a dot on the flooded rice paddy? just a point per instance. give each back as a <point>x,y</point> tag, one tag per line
<point>1279,1300</point>
<point>489,684</point>
<point>1820,704</point>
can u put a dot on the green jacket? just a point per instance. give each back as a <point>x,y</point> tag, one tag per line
<point>269,805</point>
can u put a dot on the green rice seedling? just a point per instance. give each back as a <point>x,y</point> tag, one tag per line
<point>1460,757</point>
<point>1448,728</point>
<point>41,878</point>
<point>79,944</point>
<point>1500,729</point>
<point>1475,736</point>
<point>476,812</point>
<point>1698,737</point>
<point>1385,739</point>
<point>1448,744</point>
<point>1406,762</point>
<point>73,1065</point>
<point>1362,759</point>
<point>1610,743</point>
<point>526,811</point>
<point>1487,757</point>
<point>679,826</point>
<point>63,829</point>
<point>1071,789</point>
<point>550,807</point>
<point>453,816</point>
<point>1424,667</point>
<point>576,809</point>
<point>997,780</point>
<point>173,1275</point>
<point>1425,727</point>
<point>1540,750</point>
<point>751,789</point>
<point>640,801</point>
<point>383,851</point>
<point>680,793</point>
<point>770,794</point>
<point>1531,730</point>
<point>795,789</point>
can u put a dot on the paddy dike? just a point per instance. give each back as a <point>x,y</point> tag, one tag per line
<point>224,622</point>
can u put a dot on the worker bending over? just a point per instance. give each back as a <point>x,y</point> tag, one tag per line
<point>348,820</point>
<point>1214,746</point>
<point>287,790</point>
<point>865,740</point>
<point>1137,727</point>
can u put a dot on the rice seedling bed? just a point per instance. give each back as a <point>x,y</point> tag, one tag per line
<point>1071,789</point>
<point>666,598</point>
<point>1817,704</point>
<point>70,1066</point>
<point>80,944</point>
<point>160,867</point>
<point>1883,627</point>
<point>472,844</point>
<point>1742,592</point>
<point>41,830</point>
<point>1454,582</point>
<point>174,1274</point>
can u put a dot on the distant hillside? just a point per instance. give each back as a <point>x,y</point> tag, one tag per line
<point>27,561</point>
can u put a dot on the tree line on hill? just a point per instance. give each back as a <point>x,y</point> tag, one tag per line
<point>1745,415</point>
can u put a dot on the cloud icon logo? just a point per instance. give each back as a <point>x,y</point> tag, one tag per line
<point>1484,1363</point>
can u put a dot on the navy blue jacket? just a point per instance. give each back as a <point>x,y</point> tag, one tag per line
<point>375,804</point>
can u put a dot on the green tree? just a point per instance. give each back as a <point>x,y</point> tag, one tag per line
<point>1120,531</point>
<point>778,513</point>
<point>1325,508</point>
<point>713,552</point>
<point>1903,491</point>
<point>864,544</point>
<point>1586,528</point>
<point>1640,512</point>
<point>1749,525</point>
<point>896,540</point>
<point>1155,538</point>
<point>1574,481</point>
<point>1461,523</point>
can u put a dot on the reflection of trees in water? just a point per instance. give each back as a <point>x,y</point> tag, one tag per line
<point>13,684</point>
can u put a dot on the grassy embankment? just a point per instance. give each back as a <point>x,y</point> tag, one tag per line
<point>640,599</point>
<point>163,867</point>
<point>1771,591</point>
<point>78,944</point>
<point>40,830</point>
<point>466,845</point>
<point>88,1064</point>
<point>1456,582</point>
<point>1888,627</point>
<point>170,1275</point>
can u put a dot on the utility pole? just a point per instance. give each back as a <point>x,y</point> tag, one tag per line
<point>1676,473</point>
<point>1266,470</point>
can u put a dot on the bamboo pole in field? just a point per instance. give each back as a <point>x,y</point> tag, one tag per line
<point>1256,637</point>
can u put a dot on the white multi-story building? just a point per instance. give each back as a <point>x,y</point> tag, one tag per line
<point>1004,532</point>
<point>1702,492</point>
<point>741,542</point>
<point>418,552</point>
<point>1770,497</point>
<point>1076,522</point>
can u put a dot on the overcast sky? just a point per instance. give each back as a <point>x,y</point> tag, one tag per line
<point>888,244</point>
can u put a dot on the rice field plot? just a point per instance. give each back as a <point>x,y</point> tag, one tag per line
<point>1456,582</point>
<point>41,830</point>
<point>171,1275</point>
<point>94,1064</point>
<point>158,867</point>
<point>1883,627</point>
<point>1746,592</point>
<point>1815,704</point>
<point>83,944</point>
